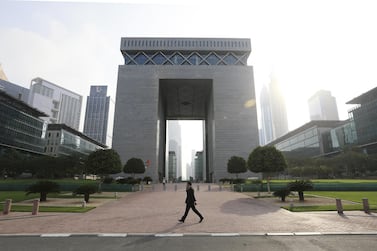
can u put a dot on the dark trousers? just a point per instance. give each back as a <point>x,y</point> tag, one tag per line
<point>192,206</point>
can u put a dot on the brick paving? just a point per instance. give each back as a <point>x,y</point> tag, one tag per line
<point>158,211</point>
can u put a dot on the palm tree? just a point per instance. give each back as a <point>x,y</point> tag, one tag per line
<point>282,193</point>
<point>86,190</point>
<point>300,186</point>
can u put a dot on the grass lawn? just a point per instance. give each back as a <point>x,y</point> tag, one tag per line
<point>16,196</point>
<point>355,207</point>
<point>59,181</point>
<point>49,209</point>
<point>355,196</point>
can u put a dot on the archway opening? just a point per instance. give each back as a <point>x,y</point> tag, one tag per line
<point>185,151</point>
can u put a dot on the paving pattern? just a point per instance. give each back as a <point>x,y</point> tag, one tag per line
<point>158,211</point>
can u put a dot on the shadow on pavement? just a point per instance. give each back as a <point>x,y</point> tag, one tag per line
<point>247,207</point>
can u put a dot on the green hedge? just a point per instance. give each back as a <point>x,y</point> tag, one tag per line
<point>72,187</point>
<point>317,187</point>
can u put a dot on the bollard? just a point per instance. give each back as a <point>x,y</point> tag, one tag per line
<point>366,205</point>
<point>83,203</point>
<point>116,195</point>
<point>164,187</point>
<point>209,187</point>
<point>221,188</point>
<point>7,206</point>
<point>241,188</point>
<point>141,187</point>
<point>258,193</point>
<point>175,187</point>
<point>198,188</point>
<point>35,207</point>
<point>152,187</point>
<point>339,206</point>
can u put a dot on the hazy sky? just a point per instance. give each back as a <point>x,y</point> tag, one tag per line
<point>310,45</point>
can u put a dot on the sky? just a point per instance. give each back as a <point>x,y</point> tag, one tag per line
<point>309,45</point>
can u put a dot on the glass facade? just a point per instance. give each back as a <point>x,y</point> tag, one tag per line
<point>307,141</point>
<point>66,141</point>
<point>172,166</point>
<point>97,113</point>
<point>19,128</point>
<point>365,119</point>
<point>185,58</point>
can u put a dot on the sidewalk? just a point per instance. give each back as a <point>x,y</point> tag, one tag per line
<point>158,211</point>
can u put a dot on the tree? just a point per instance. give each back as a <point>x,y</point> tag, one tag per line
<point>11,163</point>
<point>86,190</point>
<point>43,188</point>
<point>300,186</point>
<point>266,159</point>
<point>134,165</point>
<point>103,162</point>
<point>236,165</point>
<point>282,193</point>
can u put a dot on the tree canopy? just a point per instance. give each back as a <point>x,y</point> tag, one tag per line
<point>134,165</point>
<point>43,188</point>
<point>103,161</point>
<point>236,165</point>
<point>266,159</point>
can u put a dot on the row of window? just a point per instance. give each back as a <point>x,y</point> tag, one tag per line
<point>8,113</point>
<point>186,43</point>
<point>182,58</point>
<point>43,90</point>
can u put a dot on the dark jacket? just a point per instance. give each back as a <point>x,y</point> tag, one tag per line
<point>190,198</point>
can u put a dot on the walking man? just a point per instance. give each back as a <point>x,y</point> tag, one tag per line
<point>190,203</point>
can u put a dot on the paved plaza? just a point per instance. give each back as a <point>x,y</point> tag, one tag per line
<point>158,211</point>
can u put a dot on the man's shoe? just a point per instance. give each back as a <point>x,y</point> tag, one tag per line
<point>201,219</point>
<point>181,220</point>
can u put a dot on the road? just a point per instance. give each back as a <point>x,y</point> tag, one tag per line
<point>270,243</point>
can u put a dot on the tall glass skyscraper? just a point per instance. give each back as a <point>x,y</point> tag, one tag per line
<point>273,112</point>
<point>97,113</point>
<point>322,106</point>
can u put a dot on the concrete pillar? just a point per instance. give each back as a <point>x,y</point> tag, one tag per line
<point>366,205</point>
<point>35,210</point>
<point>339,206</point>
<point>197,188</point>
<point>7,206</point>
<point>83,203</point>
<point>221,188</point>
<point>175,187</point>
<point>116,195</point>
<point>241,188</point>
<point>209,187</point>
<point>141,187</point>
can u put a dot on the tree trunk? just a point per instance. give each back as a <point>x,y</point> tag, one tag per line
<point>283,198</point>
<point>301,195</point>
<point>43,197</point>
<point>86,197</point>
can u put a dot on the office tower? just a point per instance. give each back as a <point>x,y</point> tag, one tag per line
<point>199,166</point>
<point>172,167</point>
<point>175,143</point>
<point>185,78</point>
<point>273,112</point>
<point>322,106</point>
<point>97,113</point>
<point>61,105</point>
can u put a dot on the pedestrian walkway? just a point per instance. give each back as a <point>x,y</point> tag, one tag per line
<point>158,211</point>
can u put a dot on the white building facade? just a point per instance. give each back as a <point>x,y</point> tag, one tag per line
<point>61,105</point>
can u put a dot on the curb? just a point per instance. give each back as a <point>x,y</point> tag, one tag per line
<point>172,235</point>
